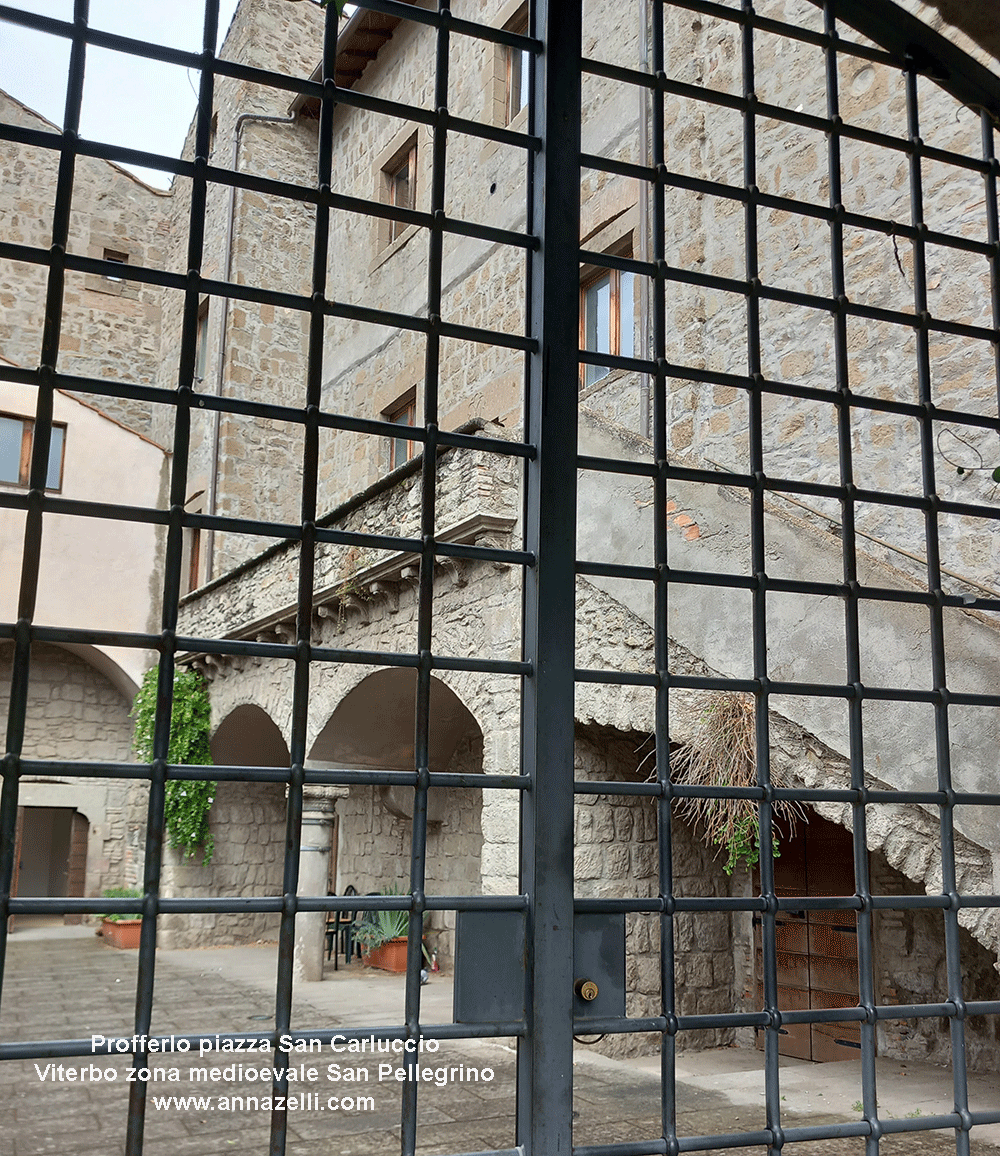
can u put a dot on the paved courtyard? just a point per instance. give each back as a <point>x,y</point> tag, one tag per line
<point>74,987</point>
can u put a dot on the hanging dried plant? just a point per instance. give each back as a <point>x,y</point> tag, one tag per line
<point>722,753</point>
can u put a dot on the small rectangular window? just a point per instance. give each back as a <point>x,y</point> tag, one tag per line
<point>402,412</point>
<point>193,534</point>
<point>15,452</point>
<point>399,186</point>
<point>201,343</point>
<point>518,70</point>
<point>118,258</point>
<point>607,319</point>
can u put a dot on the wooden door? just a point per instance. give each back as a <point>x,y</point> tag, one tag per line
<point>18,836</point>
<point>817,952</point>
<point>76,869</point>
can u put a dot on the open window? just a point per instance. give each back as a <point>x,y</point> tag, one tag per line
<point>117,257</point>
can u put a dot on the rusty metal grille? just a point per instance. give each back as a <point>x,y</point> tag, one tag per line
<point>552,557</point>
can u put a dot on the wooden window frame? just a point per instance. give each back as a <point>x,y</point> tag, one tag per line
<point>405,159</point>
<point>614,277</point>
<point>403,407</point>
<point>515,61</point>
<point>27,441</point>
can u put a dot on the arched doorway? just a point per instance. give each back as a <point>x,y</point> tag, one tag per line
<point>373,727</point>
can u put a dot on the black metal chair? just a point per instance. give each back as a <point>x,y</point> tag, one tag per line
<point>340,923</point>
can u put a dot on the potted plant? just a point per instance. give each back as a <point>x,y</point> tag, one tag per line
<point>121,931</point>
<point>383,936</point>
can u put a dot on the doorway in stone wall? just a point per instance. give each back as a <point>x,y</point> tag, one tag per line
<point>817,951</point>
<point>51,859</point>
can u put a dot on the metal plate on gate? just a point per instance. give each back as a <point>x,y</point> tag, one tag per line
<point>489,966</point>
<point>599,956</point>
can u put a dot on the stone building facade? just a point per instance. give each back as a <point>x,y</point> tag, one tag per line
<point>248,467</point>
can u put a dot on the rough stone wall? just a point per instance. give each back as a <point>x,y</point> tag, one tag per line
<point>709,328</point>
<point>374,847</point>
<point>110,329</point>
<point>265,352</point>
<point>616,856</point>
<point>910,968</point>
<point>247,822</point>
<point>75,713</point>
<point>469,483</point>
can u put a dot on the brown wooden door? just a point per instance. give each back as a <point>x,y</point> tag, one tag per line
<point>18,835</point>
<point>76,868</point>
<point>817,951</point>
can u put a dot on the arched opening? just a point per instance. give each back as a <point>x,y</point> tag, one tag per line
<point>373,727</point>
<point>75,835</point>
<point>249,737</point>
<point>247,822</point>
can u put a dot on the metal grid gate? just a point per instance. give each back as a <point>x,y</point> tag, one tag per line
<point>551,346</point>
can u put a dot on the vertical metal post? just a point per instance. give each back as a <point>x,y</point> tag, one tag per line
<point>153,861</point>
<point>545,1067</point>
<point>758,566</point>
<point>942,742</point>
<point>306,582</point>
<point>425,591</point>
<point>862,882</point>
<point>661,641</point>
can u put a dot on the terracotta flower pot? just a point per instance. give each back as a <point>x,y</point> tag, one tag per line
<point>123,933</point>
<point>390,956</point>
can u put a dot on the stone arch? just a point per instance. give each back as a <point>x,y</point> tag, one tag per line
<point>373,727</point>
<point>373,724</point>
<point>247,822</point>
<point>248,736</point>
<point>102,662</point>
<point>78,710</point>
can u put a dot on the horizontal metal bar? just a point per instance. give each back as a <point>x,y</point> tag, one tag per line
<point>214,772</point>
<point>870,797</point>
<point>614,570</point>
<point>837,214</point>
<point>708,903</point>
<point>68,905</point>
<point>292,301</point>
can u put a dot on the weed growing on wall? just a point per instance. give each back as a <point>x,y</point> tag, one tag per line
<point>722,753</point>
<point>186,802</point>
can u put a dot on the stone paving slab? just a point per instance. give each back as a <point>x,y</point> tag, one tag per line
<point>70,988</point>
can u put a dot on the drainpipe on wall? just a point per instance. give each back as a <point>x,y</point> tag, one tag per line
<point>213,475</point>
<point>645,395</point>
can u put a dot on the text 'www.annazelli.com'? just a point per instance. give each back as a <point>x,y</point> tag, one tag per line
<point>303,1102</point>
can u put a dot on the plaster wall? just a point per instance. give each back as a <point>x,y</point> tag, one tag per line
<point>84,560</point>
<point>709,531</point>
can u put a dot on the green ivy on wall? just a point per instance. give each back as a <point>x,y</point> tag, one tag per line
<point>186,803</point>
